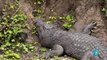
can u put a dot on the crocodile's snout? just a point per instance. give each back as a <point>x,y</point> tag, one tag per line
<point>39,22</point>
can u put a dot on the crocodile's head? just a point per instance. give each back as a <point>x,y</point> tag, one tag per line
<point>43,25</point>
<point>39,23</point>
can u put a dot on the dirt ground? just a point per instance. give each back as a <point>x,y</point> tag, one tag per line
<point>84,11</point>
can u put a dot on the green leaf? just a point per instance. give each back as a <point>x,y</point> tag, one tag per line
<point>67,26</point>
<point>10,53</point>
<point>39,2</point>
<point>16,55</point>
<point>68,17</point>
<point>1,35</point>
<point>10,31</point>
<point>43,49</point>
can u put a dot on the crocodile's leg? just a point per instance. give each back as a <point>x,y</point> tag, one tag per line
<point>89,56</point>
<point>56,50</point>
<point>89,27</point>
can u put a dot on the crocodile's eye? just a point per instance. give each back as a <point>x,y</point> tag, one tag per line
<point>48,26</point>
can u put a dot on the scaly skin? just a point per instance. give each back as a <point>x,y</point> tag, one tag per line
<point>71,43</point>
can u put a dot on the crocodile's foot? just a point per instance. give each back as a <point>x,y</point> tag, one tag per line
<point>89,28</point>
<point>57,50</point>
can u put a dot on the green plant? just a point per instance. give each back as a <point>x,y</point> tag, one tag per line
<point>38,2</point>
<point>70,18</point>
<point>52,17</point>
<point>56,57</point>
<point>69,21</point>
<point>38,12</point>
<point>12,26</point>
<point>67,25</point>
<point>43,49</point>
<point>12,54</point>
<point>10,33</point>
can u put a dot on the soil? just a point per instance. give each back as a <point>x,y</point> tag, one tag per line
<point>84,11</point>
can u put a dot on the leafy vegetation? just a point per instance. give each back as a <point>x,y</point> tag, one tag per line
<point>37,12</point>
<point>12,35</point>
<point>43,49</point>
<point>69,22</point>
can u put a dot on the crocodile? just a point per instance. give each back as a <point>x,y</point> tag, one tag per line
<point>75,44</point>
